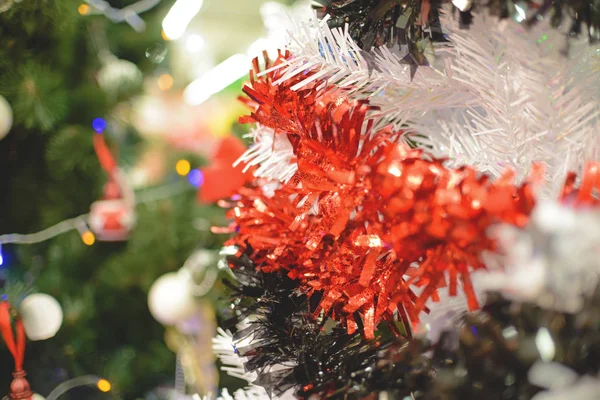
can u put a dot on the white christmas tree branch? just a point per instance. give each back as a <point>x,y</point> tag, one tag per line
<point>497,97</point>
<point>529,105</point>
<point>224,349</point>
<point>271,153</point>
<point>553,261</point>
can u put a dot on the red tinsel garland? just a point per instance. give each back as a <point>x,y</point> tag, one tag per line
<point>365,217</point>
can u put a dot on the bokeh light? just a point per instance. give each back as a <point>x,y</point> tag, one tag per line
<point>83,9</point>
<point>196,178</point>
<point>183,167</point>
<point>165,82</point>
<point>179,16</point>
<point>194,43</point>
<point>88,238</point>
<point>104,385</point>
<point>99,125</point>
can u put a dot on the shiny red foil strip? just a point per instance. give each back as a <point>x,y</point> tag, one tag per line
<point>366,217</point>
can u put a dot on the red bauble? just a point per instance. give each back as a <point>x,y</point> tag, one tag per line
<point>111,220</point>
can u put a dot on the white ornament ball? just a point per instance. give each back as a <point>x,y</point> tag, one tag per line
<point>152,116</point>
<point>6,117</point>
<point>34,397</point>
<point>42,316</point>
<point>170,299</point>
<point>119,76</point>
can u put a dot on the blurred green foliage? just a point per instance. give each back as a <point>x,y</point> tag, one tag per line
<point>49,172</point>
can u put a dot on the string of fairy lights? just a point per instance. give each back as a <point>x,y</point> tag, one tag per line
<point>80,223</point>
<point>183,168</point>
<point>87,380</point>
<point>174,27</point>
<point>129,14</point>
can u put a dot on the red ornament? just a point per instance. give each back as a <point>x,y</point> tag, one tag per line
<point>111,220</point>
<point>113,217</point>
<point>19,388</point>
<point>222,179</point>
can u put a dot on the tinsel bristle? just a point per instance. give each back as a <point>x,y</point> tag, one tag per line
<point>583,16</point>
<point>406,22</point>
<point>391,23</point>
<point>290,349</point>
<point>537,340</point>
<point>502,352</point>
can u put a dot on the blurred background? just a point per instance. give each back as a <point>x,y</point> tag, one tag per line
<point>118,127</point>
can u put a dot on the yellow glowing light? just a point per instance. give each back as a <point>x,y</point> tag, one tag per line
<point>164,35</point>
<point>88,238</point>
<point>183,167</point>
<point>165,82</point>
<point>83,9</point>
<point>104,385</point>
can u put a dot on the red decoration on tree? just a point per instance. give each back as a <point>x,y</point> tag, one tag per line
<point>113,216</point>
<point>590,182</point>
<point>365,219</point>
<point>19,388</point>
<point>222,179</point>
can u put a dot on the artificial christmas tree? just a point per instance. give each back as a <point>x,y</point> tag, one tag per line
<point>406,154</point>
<point>69,70</point>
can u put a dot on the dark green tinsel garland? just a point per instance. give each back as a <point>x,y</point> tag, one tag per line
<point>489,356</point>
<point>406,22</point>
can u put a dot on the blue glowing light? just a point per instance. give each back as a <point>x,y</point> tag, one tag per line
<point>1,259</point>
<point>99,125</point>
<point>196,177</point>
<point>4,297</point>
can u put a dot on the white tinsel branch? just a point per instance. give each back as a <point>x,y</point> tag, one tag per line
<point>249,393</point>
<point>554,261</point>
<point>225,349</point>
<point>498,97</point>
<point>530,106</point>
<point>561,382</point>
<point>272,154</point>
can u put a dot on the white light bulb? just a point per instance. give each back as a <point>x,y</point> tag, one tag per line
<point>216,79</point>
<point>194,43</point>
<point>179,16</point>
